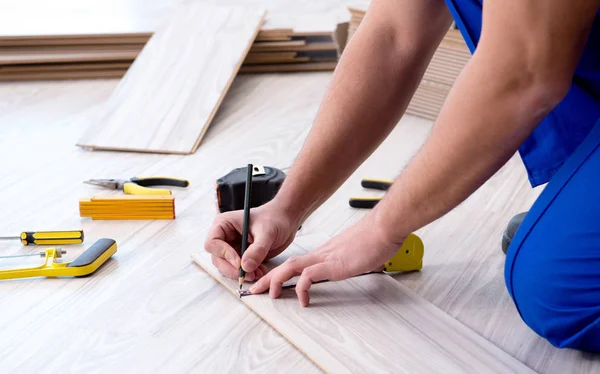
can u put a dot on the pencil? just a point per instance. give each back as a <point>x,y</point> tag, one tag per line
<point>246,223</point>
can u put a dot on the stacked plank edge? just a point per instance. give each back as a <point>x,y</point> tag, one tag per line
<point>448,61</point>
<point>109,55</point>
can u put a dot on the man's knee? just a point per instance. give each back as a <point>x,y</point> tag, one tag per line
<point>556,291</point>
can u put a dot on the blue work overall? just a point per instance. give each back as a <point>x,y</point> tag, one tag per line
<point>552,269</point>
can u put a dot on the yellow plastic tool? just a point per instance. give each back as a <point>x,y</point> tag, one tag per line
<point>48,237</point>
<point>87,263</point>
<point>409,257</point>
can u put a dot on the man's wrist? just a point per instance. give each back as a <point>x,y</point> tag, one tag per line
<point>294,208</point>
<point>389,223</point>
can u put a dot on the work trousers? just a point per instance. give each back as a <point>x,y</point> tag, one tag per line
<point>552,267</point>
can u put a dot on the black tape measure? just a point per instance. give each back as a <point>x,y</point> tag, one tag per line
<point>266,181</point>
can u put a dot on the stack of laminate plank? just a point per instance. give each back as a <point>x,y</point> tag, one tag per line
<point>445,66</point>
<point>283,50</point>
<point>128,207</point>
<point>62,45</point>
<point>100,46</point>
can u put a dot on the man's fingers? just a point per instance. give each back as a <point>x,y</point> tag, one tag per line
<point>262,284</point>
<point>310,275</point>
<point>274,279</point>
<point>230,272</point>
<point>218,239</point>
<point>256,252</point>
<point>225,267</point>
<point>260,272</point>
<point>223,250</point>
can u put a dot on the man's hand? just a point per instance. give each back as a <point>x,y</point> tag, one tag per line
<point>360,249</point>
<point>271,232</point>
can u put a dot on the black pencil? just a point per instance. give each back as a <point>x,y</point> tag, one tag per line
<point>246,223</point>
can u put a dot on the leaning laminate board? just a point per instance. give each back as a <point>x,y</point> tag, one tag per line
<point>373,324</point>
<point>169,96</point>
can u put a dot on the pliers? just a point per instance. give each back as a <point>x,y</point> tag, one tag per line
<point>139,185</point>
<point>370,202</point>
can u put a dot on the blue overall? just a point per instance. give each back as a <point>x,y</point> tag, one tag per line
<point>552,269</point>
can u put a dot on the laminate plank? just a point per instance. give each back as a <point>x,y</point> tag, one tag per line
<point>293,46</point>
<point>75,41</point>
<point>169,96</point>
<point>42,68</point>
<point>281,38</point>
<point>272,46</point>
<point>281,68</point>
<point>270,55</point>
<point>368,314</point>
<point>38,56</point>
<point>266,62</point>
<point>64,75</point>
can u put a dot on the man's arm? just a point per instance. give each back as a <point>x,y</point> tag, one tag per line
<point>372,86</point>
<point>375,79</point>
<point>522,69</point>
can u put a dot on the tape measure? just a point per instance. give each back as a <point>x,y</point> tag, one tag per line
<point>409,257</point>
<point>230,188</point>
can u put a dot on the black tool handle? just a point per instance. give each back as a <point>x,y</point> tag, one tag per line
<point>92,253</point>
<point>376,184</point>
<point>363,202</point>
<point>160,181</point>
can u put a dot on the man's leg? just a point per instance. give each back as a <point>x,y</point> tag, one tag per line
<point>553,262</point>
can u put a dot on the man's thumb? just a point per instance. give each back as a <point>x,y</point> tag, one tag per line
<point>256,253</point>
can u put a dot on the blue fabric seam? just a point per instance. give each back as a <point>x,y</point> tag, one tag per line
<point>547,205</point>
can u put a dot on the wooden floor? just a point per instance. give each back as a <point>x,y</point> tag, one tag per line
<point>150,309</point>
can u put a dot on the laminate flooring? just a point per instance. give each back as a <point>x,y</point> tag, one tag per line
<point>373,324</point>
<point>169,96</point>
<point>151,296</point>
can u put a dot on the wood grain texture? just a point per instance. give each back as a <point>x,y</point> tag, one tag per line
<point>368,314</point>
<point>170,95</point>
<point>445,66</point>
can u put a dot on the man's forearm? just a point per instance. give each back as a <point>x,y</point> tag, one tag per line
<point>370,90</point>
<point>480,128</point>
